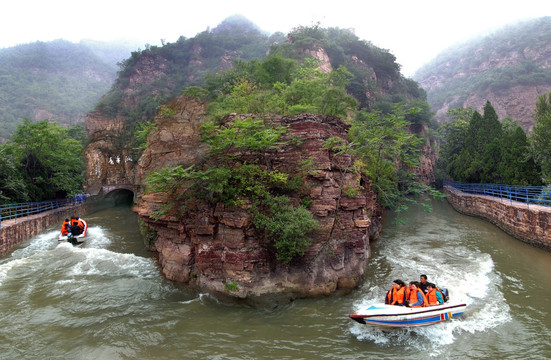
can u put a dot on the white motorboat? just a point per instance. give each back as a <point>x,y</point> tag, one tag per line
<point>383,315</point>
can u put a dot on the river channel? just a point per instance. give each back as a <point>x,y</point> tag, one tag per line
<point>107,300</point>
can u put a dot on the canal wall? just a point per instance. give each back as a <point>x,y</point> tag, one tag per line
<point>531,224</point>
<point>16,231</point>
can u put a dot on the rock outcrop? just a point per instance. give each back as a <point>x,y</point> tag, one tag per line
<point>108,157</point>
<point>427,158</point>
<point>216,248</point>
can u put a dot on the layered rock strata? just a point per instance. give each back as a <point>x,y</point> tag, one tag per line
<point>216,248</point>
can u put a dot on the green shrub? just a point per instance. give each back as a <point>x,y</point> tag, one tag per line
<point>287,226</point>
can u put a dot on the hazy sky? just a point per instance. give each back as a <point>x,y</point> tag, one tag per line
<point>415,31</point>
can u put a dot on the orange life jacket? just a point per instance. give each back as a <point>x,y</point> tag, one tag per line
<point>407,292</point>
<point>432,299</point>
<point>65,228</point>
<point>396,297</point>
<point>399,296</point>
<point>77,226</point>
<point>413,296</point>
<point>78,223</point>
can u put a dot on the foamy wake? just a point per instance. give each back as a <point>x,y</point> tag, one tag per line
<point>470,278</point>
<point>90,258</point>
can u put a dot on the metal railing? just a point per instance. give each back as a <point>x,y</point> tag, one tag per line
<point>20,210</point>
<point>535,195</point>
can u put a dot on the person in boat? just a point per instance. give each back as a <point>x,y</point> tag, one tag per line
<point>408,292</point>
<point>77,226</point>
<point>397,294</point>
<point>423,283</point>
<point>416,297</point>
<point>434,295</point>
<point>65,227</point>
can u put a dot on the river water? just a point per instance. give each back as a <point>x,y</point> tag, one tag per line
<point>107,300</point>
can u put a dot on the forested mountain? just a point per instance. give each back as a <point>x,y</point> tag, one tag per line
<point>510,68</point>
<point>149,78</point>
<point>59,80</point>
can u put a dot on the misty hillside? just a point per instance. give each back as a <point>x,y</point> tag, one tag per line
<point>150,77</point>
<point>113,52</point>
<point>58,81</point>
<point>510,68</point>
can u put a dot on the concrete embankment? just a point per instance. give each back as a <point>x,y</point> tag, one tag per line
<point>531,224</point>
<point>16,231</point>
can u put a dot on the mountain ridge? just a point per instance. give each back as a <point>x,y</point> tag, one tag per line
<point>511,63</point>
<point>57,80</point>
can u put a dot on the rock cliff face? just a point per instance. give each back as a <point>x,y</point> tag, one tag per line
<point>517,102</point>
<point>108,158</point>
<point>508,68</point>
<point>427,158</point>
<point>217,249</point>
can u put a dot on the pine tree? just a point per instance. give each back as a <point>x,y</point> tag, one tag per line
<point>517,167</point>
<point>541,136</point>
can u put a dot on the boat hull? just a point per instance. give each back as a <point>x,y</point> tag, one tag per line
<point>383,315</point>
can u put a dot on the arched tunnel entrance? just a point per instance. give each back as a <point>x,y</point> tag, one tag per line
<point>119,197</point>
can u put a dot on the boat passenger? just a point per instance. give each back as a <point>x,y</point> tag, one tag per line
<point>396,295</point>
<point>65,227</point>
<point>423,283</point>
<point>408,292</point>
<point>77,226</point>
<point>434,295</point>
<point>417,298</point>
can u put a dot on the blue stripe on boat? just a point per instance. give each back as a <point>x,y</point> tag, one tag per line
<point>420,321</point>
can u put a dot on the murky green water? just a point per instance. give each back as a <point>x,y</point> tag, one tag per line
<point>107,300</point>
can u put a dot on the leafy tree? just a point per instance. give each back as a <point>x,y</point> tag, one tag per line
<point>478,161</point>
<point>485,150</point>
<point>78,133</point>
<point>12,187</point>
<point>275,69</point>
<point>517,166</point>
<point>453,136</point>
<point>50,162</point>
<point>469,162</point>
<point>541,136</point>
<point>243,90</point>
<point>384,144</point>
<point>248,134</point>
<point>422,115</point>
